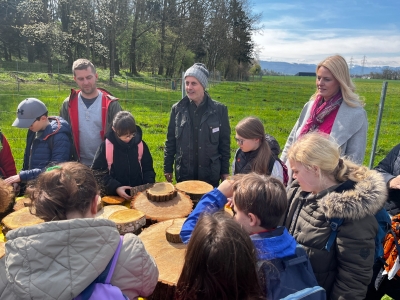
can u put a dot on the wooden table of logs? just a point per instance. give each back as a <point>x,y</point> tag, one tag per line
<point>169,256</point>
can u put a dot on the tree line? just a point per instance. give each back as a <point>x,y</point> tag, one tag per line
<point>164,37</point>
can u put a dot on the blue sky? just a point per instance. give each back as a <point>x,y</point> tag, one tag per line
<point>308,31</point>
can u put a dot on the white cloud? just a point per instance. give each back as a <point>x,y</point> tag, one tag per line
<point>311,46</point>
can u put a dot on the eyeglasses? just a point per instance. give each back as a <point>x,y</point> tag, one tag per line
<point>239,141</point>
<point>37,119</point>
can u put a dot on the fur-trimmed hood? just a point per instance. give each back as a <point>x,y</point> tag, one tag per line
<point>356,200</point>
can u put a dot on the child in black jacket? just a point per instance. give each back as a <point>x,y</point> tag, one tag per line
<point>123,160</point>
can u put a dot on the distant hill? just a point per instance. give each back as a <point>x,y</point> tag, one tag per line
<point>293,68</point>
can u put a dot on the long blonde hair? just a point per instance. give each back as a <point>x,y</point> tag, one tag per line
<point>317,149</point>
<point>337,65</point>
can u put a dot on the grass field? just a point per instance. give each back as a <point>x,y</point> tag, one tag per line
<point>277,101</point>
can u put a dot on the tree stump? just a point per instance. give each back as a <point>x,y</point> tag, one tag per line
<point>128,220</point>
<point>108,210</point>
<point>161,191</point>
<point>172,233</point>
<point>179,207</point>
<point>169,258</point>
<point>18,219</point>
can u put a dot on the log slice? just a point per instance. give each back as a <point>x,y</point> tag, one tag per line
<point>108,210</point>
<point>112,200</point>
<point>161,191</point>
<point>172,233</point>
<point>169,258</point>
<point>194,188</point>
<point>128,220</point>
<point>179,207</point>
<point>18,219</point>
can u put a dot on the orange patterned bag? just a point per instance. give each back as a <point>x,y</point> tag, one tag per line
<point>391,248</point>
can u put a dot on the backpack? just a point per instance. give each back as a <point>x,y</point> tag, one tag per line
<point>391,248</point>
<point>291,277</point>
<point>101,288</point>
<point>384,222</point>
<point>73,155</point>
<point>110,153</point>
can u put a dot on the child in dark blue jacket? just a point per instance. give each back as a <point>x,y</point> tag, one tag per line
<point>258,204</point>
<point>48,139</point>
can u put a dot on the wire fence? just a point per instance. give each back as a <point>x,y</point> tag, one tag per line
<point>277,101</point>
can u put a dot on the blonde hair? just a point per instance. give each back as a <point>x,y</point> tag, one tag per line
<point>317,149</point>
<point>337,65</point>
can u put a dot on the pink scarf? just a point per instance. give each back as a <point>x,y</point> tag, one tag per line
<point>320,110</point>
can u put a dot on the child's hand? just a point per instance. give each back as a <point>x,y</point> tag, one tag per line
<point>12,179</point>
<point>226,188</point>
<point>121,191</point>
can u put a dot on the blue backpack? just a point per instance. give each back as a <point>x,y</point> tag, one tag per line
<point>291,277</point>
<point>101,288</point>
<point>384,222</point>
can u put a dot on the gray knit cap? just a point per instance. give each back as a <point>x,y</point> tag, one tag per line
<point>199,71</point>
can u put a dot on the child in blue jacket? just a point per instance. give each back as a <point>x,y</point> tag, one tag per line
<point>48,139</point>
<point>258,204</point>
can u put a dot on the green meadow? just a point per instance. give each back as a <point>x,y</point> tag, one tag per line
<point>277,101</point>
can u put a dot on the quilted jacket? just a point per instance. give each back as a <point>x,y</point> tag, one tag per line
<point>59,259</point>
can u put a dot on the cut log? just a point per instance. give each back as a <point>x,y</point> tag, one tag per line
<point>173,231</point>
<point>140,188</point>
<point>169,259</point>
<point>112,200</point>
<point>161,191</point>
<point>106,211</point>
<point>18,219</point>
<point>194,188</point>
<point>21,202</point>
<point>128,220</point>
<point>179,207</point>
<point>2,249</point>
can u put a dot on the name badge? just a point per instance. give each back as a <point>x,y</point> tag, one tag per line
<point>215,130</point>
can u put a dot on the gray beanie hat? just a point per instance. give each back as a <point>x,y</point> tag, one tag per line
<point>199,71</point>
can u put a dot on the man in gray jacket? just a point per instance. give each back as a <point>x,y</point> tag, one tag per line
<point>198,138</point>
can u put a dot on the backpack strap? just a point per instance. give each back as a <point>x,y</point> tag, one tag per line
<point>114,261</point>
<point>109,154</point>
<point>334,223</point>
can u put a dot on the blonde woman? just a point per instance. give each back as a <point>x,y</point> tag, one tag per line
<point>328,187</point>
<point>334,109</point>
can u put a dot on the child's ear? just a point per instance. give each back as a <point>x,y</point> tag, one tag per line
<point>254,220</point>
<point>93,205</point>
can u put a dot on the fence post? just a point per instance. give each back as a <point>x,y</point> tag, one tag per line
<point>378,124</point>
<point>58,75</point>
<point>17,77</point>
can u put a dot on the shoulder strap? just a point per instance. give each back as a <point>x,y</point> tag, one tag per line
<point>140,153</point>
<point>334,223</point>
<point>109,154</point>
<point>114,261</point>
<point>271,163</point>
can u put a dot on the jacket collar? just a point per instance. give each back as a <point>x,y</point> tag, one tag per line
<point>354,200</point>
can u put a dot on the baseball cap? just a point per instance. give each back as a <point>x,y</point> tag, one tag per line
<point>27,112</point>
